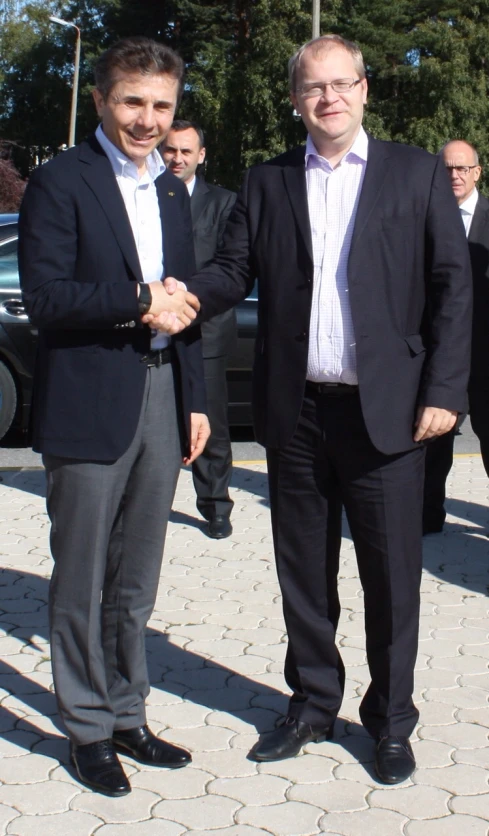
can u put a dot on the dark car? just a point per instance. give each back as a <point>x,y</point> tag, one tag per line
<point>18,340</point>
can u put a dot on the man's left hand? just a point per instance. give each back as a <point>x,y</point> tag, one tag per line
<point>199,433</point>
<point>432,421</point>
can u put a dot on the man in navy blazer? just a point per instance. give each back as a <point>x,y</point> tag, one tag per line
<point>352,240</point>
<point>115,404</point>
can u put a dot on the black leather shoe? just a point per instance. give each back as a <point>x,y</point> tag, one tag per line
<point>430,528</point>
<point>219,527</point>
<point>98,767</point>
<point>394,759</point>
<point>145,747</point>
<point>288,740</point>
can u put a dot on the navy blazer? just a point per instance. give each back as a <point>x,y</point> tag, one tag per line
<point>78,267</point>
<point>408,254</point>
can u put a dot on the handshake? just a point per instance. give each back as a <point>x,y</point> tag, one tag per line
<point>172,307</point>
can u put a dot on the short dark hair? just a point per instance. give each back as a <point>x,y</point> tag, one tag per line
<point>137,55</point>
<point>185,124</point>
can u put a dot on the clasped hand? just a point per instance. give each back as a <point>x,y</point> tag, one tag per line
<point>172,307</point>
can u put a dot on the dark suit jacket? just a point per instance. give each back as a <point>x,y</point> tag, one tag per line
<point>479,257</point>
<point>210,207</point>
<point>408,247</point>
<point>78,267</point>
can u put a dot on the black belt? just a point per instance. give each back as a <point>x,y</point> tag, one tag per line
<point>330,388</point>
<point>158,357</point>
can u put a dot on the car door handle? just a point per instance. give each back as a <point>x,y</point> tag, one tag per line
<point>14,307</point>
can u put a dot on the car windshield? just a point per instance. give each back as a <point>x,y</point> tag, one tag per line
<point>9,272</point>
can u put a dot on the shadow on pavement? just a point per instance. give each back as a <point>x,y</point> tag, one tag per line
<point>172,669</point>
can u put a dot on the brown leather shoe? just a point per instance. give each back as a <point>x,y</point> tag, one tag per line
<point>98,767</point>
<point>145,747</point>
<point>288,740</point>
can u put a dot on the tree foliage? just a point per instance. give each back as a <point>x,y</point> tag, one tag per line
<point>427,60</point>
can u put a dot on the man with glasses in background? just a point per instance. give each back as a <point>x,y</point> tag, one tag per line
<point>351,239</point>
<point>463,167</point>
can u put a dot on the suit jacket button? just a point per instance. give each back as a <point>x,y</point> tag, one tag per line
<point>301,337</point>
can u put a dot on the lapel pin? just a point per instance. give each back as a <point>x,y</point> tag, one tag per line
<point>171,194</point>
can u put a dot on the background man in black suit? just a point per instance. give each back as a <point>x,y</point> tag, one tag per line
<point>462,164</point>
<point>99,228</point>
<point>351,239</point>
<point>183,151</point>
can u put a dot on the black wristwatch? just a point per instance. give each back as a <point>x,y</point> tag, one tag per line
<point>145,299</point>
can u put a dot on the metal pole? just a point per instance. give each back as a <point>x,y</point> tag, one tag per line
<point>316,13</point>
<point>74,95</point>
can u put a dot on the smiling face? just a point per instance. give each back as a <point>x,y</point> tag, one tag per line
<point>182,153</point>
<point>137,113</point>
<point>332,119</point>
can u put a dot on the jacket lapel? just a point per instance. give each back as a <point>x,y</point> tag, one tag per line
<point>294,174</point>
<point>99,176</point>
<point>198,200</point>
<point>375,174</point>
<point>479,223</point>
<point>169,219</point>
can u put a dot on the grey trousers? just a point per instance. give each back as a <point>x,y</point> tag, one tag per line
<point>108,527</point>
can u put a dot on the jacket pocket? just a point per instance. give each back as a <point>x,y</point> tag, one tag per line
<point>415,344</point>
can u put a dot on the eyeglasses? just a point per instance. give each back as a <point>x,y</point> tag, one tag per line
<point>318,88</point>
<point>460,169</point>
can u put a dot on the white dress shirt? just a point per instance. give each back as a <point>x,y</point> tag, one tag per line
<point>467,209</point>
<point>191,186</point>
<point>332,196</point>
<point>141,202</point>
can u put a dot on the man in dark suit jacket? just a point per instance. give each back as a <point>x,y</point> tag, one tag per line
<point>114,405</point>
<point>462,164</point>
<point>183,151</point>
<point>351,239</point>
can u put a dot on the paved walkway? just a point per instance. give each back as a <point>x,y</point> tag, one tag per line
<point>216,647</point>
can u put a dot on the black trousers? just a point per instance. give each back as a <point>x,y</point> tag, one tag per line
<point>213,469</point>
<point>331,460</point>
<point>439,460</point>
<point>479,414</point>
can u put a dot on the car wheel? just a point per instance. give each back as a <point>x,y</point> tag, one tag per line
<point>8,399</point>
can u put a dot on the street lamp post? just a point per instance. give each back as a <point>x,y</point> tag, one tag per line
<point>316,12</point>
<point>74,95</point>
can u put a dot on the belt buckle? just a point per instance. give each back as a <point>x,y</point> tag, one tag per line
<point>145,359</point>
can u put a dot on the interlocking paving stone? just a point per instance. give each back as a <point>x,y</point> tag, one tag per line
<point>178,783</point>
<point>459,779</point>
<point>333,797</point>
<point>208,811</point>
<point>380,822</point>
<point>131,808</point>
<point>292,818</point>
<point>7,815</point>
<point>57,824</point>
<point>458,735</point>
<point>449,826</point>
<point>416,802</point>
<point>474,805</point>
<point>252,791</point>
<point>46,797</point>
<point>238,830</point>
<point>152,827</point>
